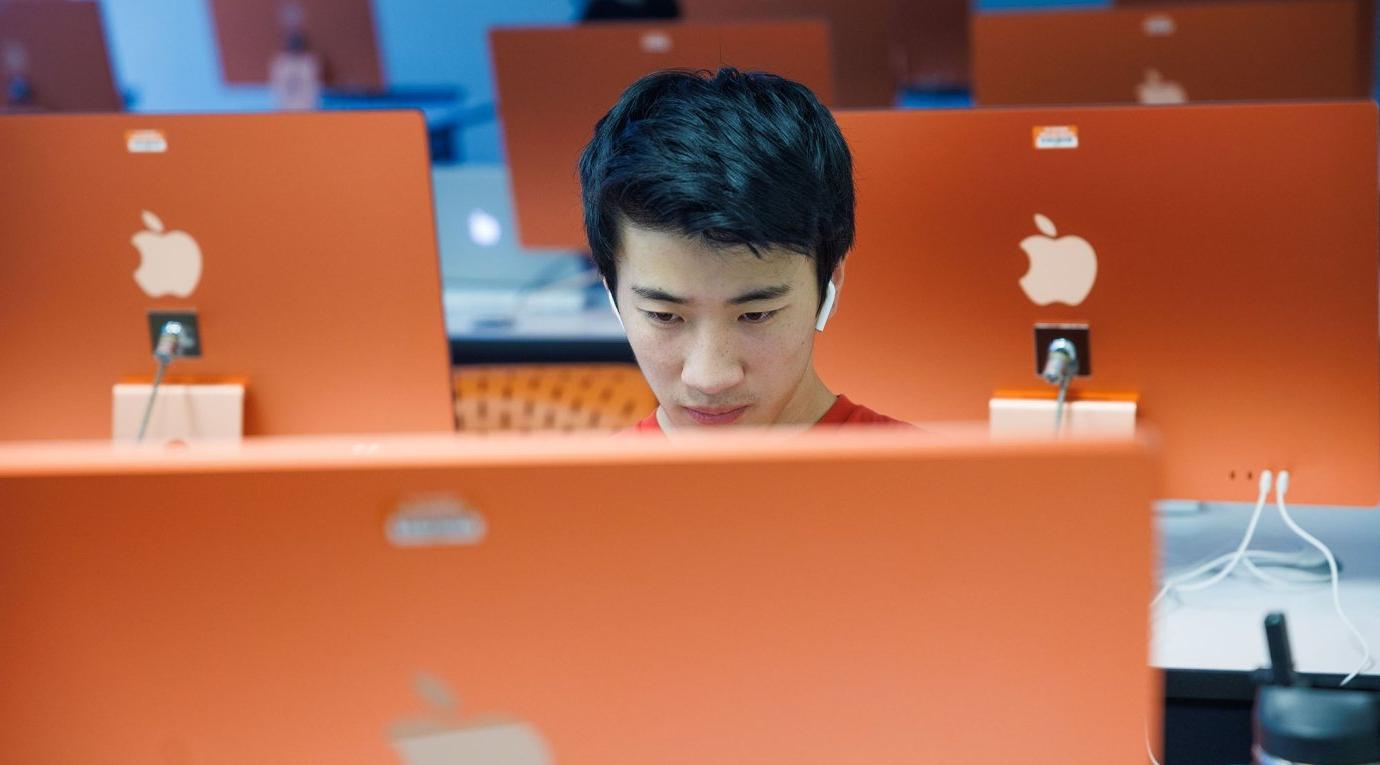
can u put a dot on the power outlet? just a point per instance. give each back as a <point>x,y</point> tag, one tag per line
<point>1074,333</point>
<point>190,347</point>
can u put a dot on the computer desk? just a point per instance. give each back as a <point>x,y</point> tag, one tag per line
<point>1209,643</point>
<point>1220,630</point>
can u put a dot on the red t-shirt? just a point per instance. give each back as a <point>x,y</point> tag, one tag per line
<point>843,412</point>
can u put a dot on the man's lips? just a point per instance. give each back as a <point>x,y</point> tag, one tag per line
<point>714,415</point>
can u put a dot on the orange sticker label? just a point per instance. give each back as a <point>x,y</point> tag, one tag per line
<point>1055,136</point>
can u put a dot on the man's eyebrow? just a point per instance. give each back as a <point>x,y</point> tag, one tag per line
<point>662,296</point>
<point>762,293</point>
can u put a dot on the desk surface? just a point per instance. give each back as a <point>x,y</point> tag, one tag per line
<point>1222,628</point>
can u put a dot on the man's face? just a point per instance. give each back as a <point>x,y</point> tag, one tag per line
<point>723,336</point>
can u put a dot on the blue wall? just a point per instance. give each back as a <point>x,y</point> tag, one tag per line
<point>165,58</point>
<point>426,42</point>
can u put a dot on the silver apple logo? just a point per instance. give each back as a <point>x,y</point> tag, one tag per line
<point>169,261</point>
<point>1062,270</point>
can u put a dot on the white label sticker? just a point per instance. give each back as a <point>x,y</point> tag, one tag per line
<point>1158,25</point>
<point>656,42</point>
<point>146,142</point>
<point>435,521</point>
<point>1055,136</point>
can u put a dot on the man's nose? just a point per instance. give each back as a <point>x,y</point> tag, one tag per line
<point>712,365</point>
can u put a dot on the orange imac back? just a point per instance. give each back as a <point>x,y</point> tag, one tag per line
<point>554,83</point>
<point>867,598</point>
<point>305,243</point>
<point>1223,258</point>
<point>1162,54</point>
<point>57,49</point>
<point>341,32</point>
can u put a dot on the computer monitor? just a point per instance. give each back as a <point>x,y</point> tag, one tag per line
<point>1223,258</point>
<point>53,58</point>
<point>305,243</point>
<point>548,105</point>
<point>1164,54</point>
<point>874,597</point>
<point>500,299</point>
<point>251,32</point>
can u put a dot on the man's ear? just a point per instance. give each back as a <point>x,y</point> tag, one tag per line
<point>830,305</point>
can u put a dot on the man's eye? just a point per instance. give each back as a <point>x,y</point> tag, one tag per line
<point>757,317</point>
<point>659,317</point>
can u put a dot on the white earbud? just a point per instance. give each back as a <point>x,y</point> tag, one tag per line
<point>614,305</point>
<point>830,295</point>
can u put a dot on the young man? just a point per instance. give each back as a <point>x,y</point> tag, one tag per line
<point>719,209</point>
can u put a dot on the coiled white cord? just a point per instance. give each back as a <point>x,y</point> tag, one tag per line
<point>1183,582</point>
<point>1243,556</point>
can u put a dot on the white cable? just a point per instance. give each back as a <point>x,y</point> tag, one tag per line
<point>1252,562</point>
<point>168,347</point>
<point>1231,560</point>
<point>1060,404</point>
<point>1281,488</point>
<point>1179,582</point>
<point>1310,579</point>
<point>153,396</point>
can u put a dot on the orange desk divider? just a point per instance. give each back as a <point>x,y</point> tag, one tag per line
<point>864,596</point>
<point>59,49</point>
<point>250,32</point>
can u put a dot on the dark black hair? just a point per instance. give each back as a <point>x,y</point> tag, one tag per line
<point>733,157</point>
